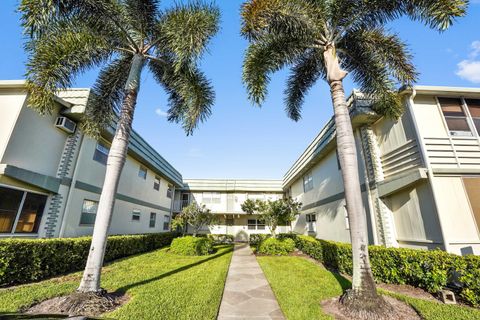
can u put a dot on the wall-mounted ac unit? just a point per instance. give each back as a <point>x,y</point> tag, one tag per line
<point>65,124</point>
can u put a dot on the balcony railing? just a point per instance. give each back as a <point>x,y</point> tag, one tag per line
<point>453,152</point>
<point>178,205</point>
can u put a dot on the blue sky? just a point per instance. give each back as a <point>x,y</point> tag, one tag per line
<point>242,141</point>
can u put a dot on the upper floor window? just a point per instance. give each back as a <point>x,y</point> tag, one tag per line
<point>101,153</point>
<point>307,182</point>
<point>142,172</point>
<point>170,191</point>
<point>89,212</point>
<point>474,109</point>
<point>211,197</point>
<point>156,183</point>
<point>455,116</point>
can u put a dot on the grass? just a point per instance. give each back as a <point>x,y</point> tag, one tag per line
<point>160,285</point>
<point>300,285</point>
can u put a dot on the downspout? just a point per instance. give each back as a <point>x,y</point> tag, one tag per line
<point>423,151</point>
<point>70,190</point>
<point>172,203</point>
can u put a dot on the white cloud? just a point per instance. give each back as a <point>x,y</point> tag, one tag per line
<point>469,69</point>
<point>161,113</point>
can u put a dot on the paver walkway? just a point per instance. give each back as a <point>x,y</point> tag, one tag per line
<point>247,294</point>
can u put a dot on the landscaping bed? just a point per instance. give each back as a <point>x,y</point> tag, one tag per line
<point>300,285</point>
<point>159,285</point>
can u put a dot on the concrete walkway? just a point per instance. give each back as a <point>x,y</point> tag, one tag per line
<point>247,294</point>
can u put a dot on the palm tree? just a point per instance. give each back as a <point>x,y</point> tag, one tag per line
<point>328,40</point>
<point>121,37</point>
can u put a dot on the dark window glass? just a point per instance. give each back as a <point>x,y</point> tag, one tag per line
<point>457,124</point>
<point>89,212</point>
<point>451,107</point>
<point>142,172</point>
<point>454,116</point>
<point>10,200</point>
<point>136,215</point>
<point>101,153</point>
<point>156,183</point>
<point>474,108</point>
<point>166,222</point>
<point>252,224</point>
<point>153,218</point>
<point>31,214</point>
<point>260,224</point>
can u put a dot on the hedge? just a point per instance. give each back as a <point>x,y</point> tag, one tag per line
<point>192,246</point>
<point>430,270</point>
<point>276,247</point>
<point>24,260</point>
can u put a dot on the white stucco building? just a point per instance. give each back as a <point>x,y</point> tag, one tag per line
<point>420,176</point>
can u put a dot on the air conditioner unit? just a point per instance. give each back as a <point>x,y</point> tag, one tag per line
<point>65,124</point>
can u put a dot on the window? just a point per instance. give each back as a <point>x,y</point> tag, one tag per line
<point>474,109</point>
<point>311,217</point>
<point>153,219</point>
<point>455,116</point>
<point>101,153</point>
<point>142,172</point>
<point>136,215</point>
<point>156,183</point>
<point>255,224</point>
<point>89,212</point>
<point>211,198</point>
<point>170,191</point>
<point>20,211</point>
<point>472,187</point>
<point>307,182</point>
<point>166,222</point>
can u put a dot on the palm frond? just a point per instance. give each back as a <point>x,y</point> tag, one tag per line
<point>106,96</point>
<point>264,57</point>
<point>184,31</point>
<point>303,75</point>
<point>56,58</point>
<point>191,95</point>
<point>142,17</point>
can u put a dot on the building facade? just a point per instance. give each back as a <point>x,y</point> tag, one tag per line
<point>420,176</point>
<point>224,198</point>
<point>51,176</point>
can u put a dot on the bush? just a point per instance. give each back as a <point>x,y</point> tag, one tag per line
<point>256,238</point>
<point>276,247</point>
<point>430,270</point>
<point>24,260</point>
<point>221,238</point>
<point>192,246</point>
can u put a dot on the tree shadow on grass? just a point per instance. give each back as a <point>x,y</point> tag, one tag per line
<point>124,289</point>
<point>342,281</point>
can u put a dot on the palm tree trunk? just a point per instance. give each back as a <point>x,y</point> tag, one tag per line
<point>363,293</point>
<point>115,162</point>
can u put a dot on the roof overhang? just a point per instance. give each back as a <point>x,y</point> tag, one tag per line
<point>230,185</point>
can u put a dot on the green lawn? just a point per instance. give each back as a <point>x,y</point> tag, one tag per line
<point>160,285</point>
<point>300,284</point>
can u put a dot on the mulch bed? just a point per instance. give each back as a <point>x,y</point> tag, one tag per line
<point>80,304</point>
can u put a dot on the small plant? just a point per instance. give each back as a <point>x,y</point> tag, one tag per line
<point>192,246</point>
<point>276,247</point>
<point>195,216</point>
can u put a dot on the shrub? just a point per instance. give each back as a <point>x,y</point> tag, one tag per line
<point>192,246</point>
<point>256,238</point>
<point>221,238</point>
<point>25,260</point>
<point>430,270</point>
<point>276,247</point>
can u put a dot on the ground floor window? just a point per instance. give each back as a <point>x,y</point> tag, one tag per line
<point>255,224</point>
<point>89,212</point>
<point>311,221</point>
<point>472,186</point>
<point>166,222</point>
<point>153,218</point>
<point>20,211</point>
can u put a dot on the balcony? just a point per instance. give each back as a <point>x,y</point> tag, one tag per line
<point>178,205</point>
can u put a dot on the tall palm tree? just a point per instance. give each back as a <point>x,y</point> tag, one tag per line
<point>328,39</point>
<point>121,37</point>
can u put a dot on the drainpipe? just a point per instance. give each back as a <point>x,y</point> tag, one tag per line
<point>423,151</point>
<point>172,203</point>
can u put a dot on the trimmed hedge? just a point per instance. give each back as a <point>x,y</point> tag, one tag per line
<point>25,260</point>
<point>192,246</point>
<point>430,270</point>
<point>276,247</point>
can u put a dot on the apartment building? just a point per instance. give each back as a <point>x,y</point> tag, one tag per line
<point>224,198</point>
<point>420,175</point>
<point>51,174</point>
